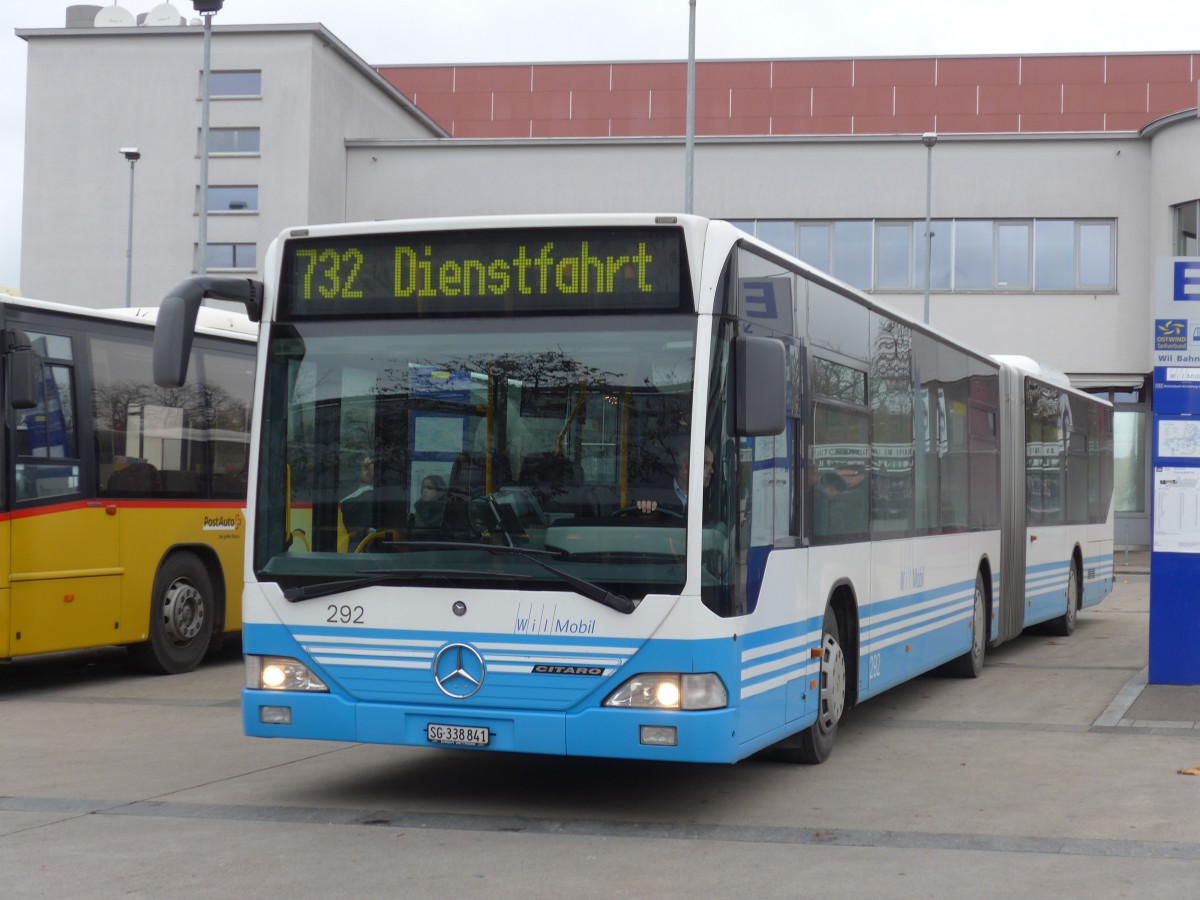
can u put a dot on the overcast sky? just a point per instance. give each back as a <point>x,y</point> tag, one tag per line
<point>452,31</point>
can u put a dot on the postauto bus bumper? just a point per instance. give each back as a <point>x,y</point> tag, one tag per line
<point>698,735</point>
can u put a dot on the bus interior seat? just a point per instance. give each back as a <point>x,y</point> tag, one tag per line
<point>178,484</point>
<point>468,474</point>
<point>136,479</point>
<point>557,483</point>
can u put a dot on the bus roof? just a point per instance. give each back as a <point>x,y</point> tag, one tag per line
<point>221,322</point>
<point>1045,373</point>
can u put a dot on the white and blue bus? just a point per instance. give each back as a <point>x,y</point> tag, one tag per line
<point>460,425</point>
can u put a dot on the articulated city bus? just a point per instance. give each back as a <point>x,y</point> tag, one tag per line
<point>122,507</point>
<point>475,441</point>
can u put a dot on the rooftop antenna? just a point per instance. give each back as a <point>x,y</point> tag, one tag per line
<point>114,17</point>
<point>162,15</point>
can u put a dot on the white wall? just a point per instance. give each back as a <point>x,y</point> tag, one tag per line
<point>92,91</point>
<point>836,179</point>
<point>338,144</point>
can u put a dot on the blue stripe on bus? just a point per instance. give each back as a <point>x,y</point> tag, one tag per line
<point>523,710</point>
<point>383,689</point>
<point>775,657</point>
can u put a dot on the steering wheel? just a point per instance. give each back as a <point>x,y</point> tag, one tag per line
<point>629,511</point>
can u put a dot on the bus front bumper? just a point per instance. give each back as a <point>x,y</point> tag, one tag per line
<point>683,736</point>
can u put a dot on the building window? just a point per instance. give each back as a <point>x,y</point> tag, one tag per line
<point>1187,218</point>
<point>977,255</point>
<point>816,246</point>
<point>1094,240</point>
<point>233,140</point>
<point>233,198</point>
<point>852,253</point>
<point>973,249</point>
<point>233,83</point>
<point>231,256</point>
<point>1012,256</point>
<point>1054,247</point>
<point>1131,451</point>
<point>940,254</point>
<point>780,235</point>
<point>1129,461</point>
<point>893,255</point>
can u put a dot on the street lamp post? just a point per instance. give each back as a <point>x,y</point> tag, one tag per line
<point>929,138</point>
<point>207,9</point>
<point>689,150</point>
<point>133,155</point>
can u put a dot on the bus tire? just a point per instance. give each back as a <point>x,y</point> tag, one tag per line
<point>970,664</point>
<point>182,615</point>
<point>815,743</point>
<point>1064,625</point>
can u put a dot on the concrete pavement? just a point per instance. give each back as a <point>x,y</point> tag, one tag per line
<point>1158,707</point>
<point>1058,772</point>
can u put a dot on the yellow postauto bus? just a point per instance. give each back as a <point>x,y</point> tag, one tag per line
<point>122,506</point>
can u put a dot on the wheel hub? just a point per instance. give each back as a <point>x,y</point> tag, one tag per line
<point>833,685</point>
<point>183,612</point>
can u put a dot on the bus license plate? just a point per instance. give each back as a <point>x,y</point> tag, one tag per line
<point>465,735</point>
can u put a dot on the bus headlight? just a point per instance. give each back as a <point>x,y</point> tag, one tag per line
<point>666,690</point>
<point>281,673</point>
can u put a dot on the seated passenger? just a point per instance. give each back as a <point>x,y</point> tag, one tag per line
<point>358,507</point>
<point>430,509</point>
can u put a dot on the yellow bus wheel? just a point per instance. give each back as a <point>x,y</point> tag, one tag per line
<point>182,615</point>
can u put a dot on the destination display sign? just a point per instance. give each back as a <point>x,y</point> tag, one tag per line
<point>496,272</point>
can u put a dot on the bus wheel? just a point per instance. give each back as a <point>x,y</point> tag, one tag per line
<point>1064,625</point>
<point>816,741</point>
<point>970,664</point>
<point>181,618</point>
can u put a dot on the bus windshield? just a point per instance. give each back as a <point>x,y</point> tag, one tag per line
<point>417,448</point>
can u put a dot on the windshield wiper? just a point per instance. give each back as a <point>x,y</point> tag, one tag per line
<point>311,592</point>
<point>589,589</point>
<point>383,576</point>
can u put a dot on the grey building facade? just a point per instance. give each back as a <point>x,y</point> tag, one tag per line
<point>303,131</point>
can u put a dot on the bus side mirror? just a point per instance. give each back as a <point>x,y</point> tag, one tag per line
<point>22,377</point>
<point>173,331</point>
<point>176,322</point>
<point>760,379</point>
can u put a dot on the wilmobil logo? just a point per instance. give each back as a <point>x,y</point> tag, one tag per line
<point>230,523</point>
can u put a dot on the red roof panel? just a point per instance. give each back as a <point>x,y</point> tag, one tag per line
<point>979,70</point>
<point>947,100</point>
<point>812,72</point>
<point>1034,98</point>
<point>595,77</point>
<point>1062,69</point>
<point>726,75</point>
<point>493,78</point>
<point>872,101</point>
<point>1036,122</point>
<point>891,72</point>
<point>902,95</point>
<point>648,76</point>
<point>1101,98</point>
<point>1142,68</point>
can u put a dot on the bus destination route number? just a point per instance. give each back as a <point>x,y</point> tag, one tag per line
<point>484,272</point>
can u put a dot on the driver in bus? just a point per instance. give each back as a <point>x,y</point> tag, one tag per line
<point>679,485</point>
